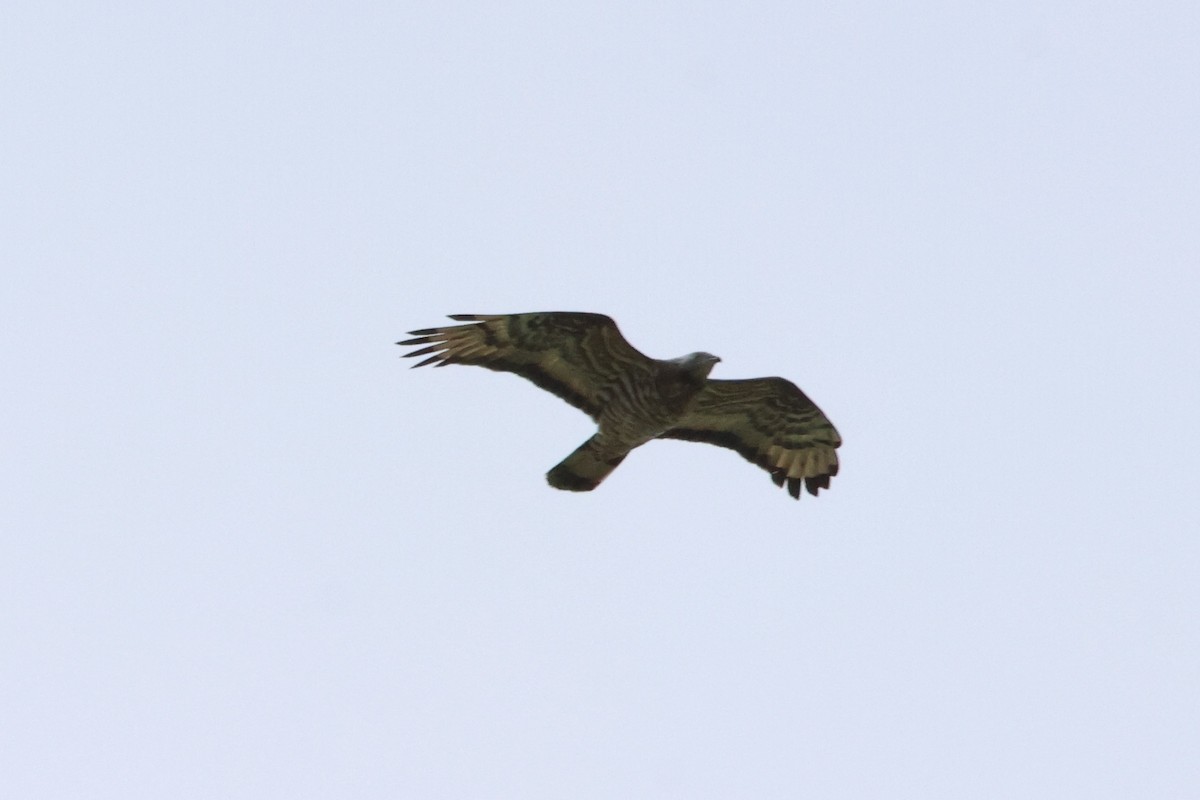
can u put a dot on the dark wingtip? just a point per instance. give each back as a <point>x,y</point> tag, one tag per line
<point>464,317</point>
<point>793,486</point>
<point>778,476</point>
<point>423,332</point>
<point>429,360</point>
<point>433,348</point>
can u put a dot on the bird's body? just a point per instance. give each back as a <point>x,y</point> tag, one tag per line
<point>636,412</point>
<point>634,399</point>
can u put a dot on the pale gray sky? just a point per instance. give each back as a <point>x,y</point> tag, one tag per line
<point>247,554</point>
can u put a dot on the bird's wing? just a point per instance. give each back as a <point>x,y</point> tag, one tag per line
<point>579,357</point>
<point>771,423</point>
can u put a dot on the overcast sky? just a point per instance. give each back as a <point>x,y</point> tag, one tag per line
<point>245,553</point>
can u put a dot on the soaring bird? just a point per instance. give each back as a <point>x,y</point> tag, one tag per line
<point>633,398</point>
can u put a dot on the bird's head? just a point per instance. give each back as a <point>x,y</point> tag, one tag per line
<point>698,365</point>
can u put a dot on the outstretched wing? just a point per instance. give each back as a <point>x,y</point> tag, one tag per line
<point>771,423</point>
<point>579,357</point>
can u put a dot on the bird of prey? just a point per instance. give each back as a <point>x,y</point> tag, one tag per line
<point>586,361</point>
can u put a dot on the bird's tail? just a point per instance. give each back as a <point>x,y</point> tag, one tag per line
<point>583,470</point>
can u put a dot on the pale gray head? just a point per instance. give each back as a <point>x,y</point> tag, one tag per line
<point>698,365</point>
